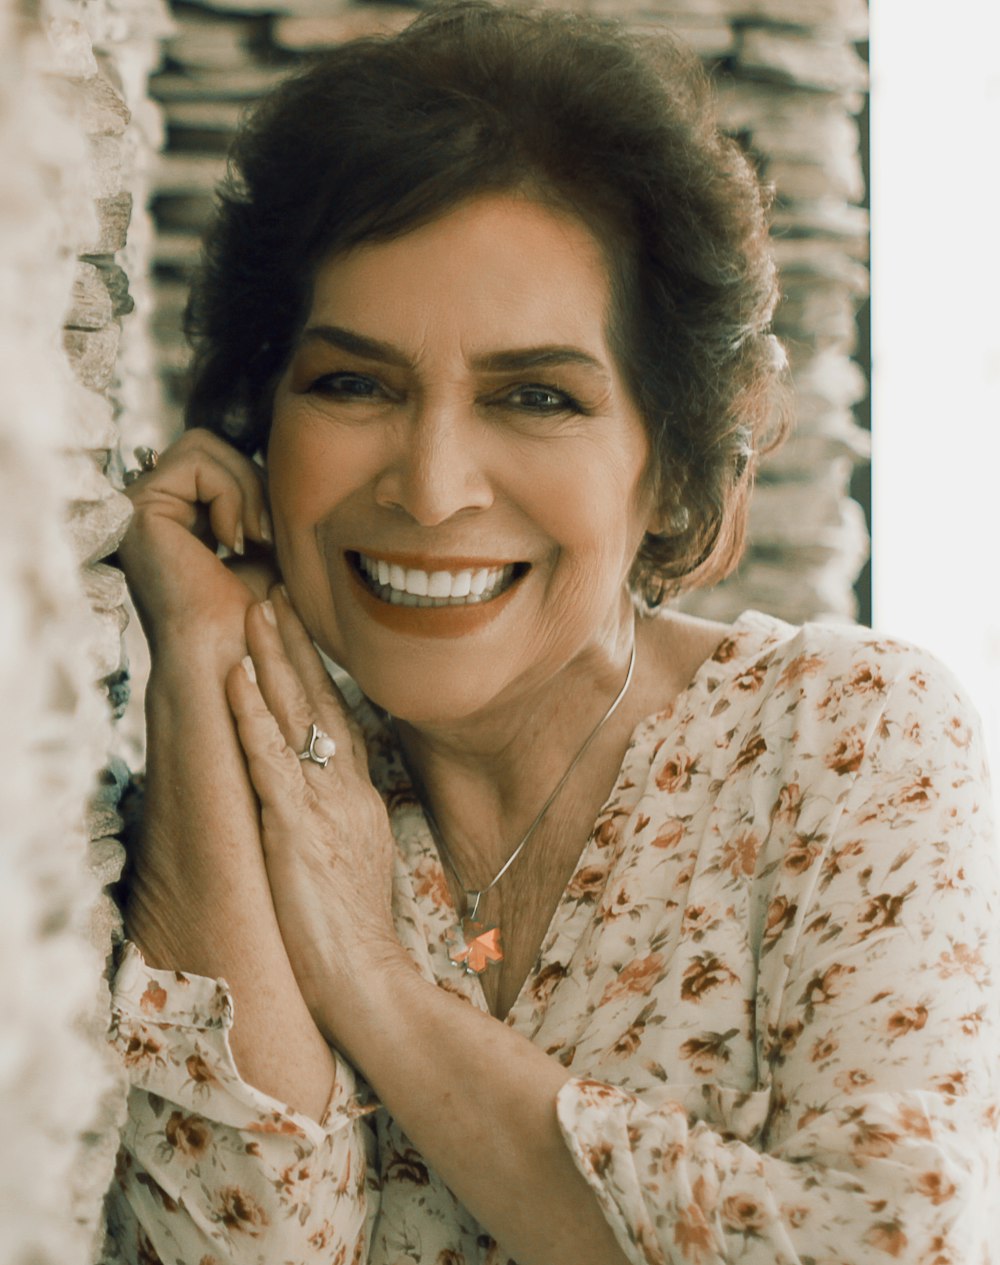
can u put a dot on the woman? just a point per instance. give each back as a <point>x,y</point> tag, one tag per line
<point>560,933</point>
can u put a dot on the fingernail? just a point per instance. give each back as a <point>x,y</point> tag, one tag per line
<point>248,668</point>
<point>238,540</point>
<point>267,610</point>
<point>266,529</point>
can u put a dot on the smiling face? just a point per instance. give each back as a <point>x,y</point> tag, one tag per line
<point>457,474</point>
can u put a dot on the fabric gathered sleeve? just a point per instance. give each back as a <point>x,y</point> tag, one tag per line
<point>212,1170</point>
<point>873,1132</point>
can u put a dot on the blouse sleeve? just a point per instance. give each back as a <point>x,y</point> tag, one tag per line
<point>212,1170</point>
<point>879,1053</point>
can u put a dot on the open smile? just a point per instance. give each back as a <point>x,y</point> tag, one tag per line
<point>397,582</point>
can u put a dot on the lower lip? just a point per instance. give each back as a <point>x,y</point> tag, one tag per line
<point>430,621</point>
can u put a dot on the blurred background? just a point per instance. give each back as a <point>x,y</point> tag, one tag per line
<point>115,116</point>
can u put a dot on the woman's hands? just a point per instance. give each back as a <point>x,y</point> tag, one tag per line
<point>202,493</point>
<point>327,842</point>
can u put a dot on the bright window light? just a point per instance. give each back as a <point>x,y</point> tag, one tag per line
<point>936,338</point>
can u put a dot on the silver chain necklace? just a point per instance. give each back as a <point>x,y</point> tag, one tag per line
<point>472,945</point>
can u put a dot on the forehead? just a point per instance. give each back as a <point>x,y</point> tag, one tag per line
<point>497,270</point>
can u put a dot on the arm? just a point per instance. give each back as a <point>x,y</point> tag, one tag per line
<point>198,896</point>
<point>214,1163</point>
<point>875,1135</point>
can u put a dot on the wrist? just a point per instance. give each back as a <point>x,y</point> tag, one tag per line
<point>371,995</point>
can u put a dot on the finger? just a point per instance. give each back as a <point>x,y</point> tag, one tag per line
<point>202,477</point>
<point>283,689</point>
<point>275,770</point>
<point>320,689</point>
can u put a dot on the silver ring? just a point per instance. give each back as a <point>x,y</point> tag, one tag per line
<point>320,749</point>
<point>147,459</point>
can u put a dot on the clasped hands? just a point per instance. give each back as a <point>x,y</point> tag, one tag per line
<point>325,833</point>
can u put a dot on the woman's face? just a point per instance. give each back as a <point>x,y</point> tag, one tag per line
<point>458,477</point>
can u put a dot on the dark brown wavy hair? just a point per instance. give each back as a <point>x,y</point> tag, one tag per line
<point>384,134</point>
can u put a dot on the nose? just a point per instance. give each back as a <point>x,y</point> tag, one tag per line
<point>435,470</point>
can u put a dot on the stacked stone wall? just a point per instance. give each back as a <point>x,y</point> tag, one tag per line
<point>74,138</point>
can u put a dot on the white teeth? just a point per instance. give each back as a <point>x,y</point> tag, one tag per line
<point>461,585</point>
<point>439,584</point>
<point>411,586</point>
<point>416,582</point>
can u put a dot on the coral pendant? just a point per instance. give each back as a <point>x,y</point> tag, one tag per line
<point>473,946</point>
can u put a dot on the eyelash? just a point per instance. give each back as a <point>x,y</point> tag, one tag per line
<point>563,401</point>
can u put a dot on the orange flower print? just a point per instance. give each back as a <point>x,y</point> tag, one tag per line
<point>199,1071</point>
<point>630,1039</point>
<point>154,998</point>
<point>707,1052</point>
<point>545,981</point>
<point>744,1213</point>
<point>852,1080</point>
<point>962,959</point>
<point>783,1041</point>
<point>865,680</point>
<point>847,753</point>
<point>703,974</point>
<point>802,665</point>
<point>751,679</point>
<point>824,988</point>
<point>725,650</point>
<point>638,978</point>
<point>871,1141</point>
<point>141,1049</point>
<point>190,1135</point>
<point>936,1187</point>
<point>407,1166</point>
<point>607,832</point>
<point>675,774</point>
<point>670,835</point>
<point>902,1022</point>
<point>788,804</point>
<point>697,920</point>
<point>429,883</point>
<point>918,794</point>
<point>750,753</point>
<point>801,853</point>
<point>780,916</point>
<point>888,1237</point>
<point>599,1156</point>
<point>239,1211</point>
<point>914,1121</point>
<point>739,854</point>
<point>693,1235</point>
<point>882,911</point>
<point>450,1257</point>
<point>824,1048</point>
<point>587,884</point>
<point>959,732</point>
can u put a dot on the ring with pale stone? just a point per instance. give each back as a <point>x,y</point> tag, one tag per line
<point>147,459</point>
<point>320,748</point>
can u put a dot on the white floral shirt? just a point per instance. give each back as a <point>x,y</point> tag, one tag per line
<point>774,976</point>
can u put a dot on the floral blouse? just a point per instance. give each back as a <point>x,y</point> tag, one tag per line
<point>774,977</point>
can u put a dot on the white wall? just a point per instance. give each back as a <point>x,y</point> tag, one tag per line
<point>936,336</point>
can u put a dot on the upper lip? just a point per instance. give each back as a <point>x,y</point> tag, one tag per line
<point>428,562</point>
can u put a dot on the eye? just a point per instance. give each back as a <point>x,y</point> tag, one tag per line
<point>536,398</point>
<point>350,386</point>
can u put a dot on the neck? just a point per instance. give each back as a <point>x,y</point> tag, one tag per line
<point>486,778</point>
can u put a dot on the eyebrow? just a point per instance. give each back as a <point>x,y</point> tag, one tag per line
<point>496,361</point>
